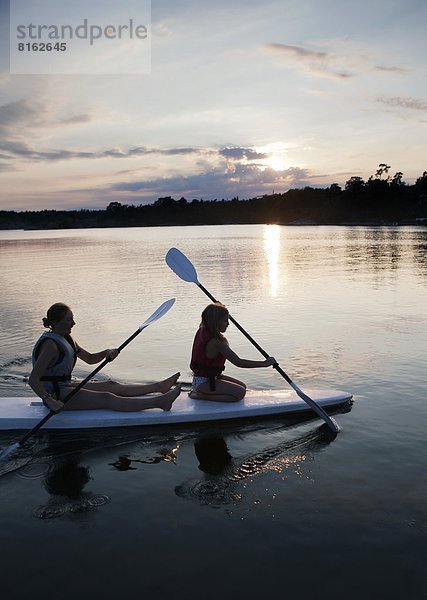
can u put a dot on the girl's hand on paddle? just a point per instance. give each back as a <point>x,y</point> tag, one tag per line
<point>55,405</point>
<point>111,354</point>
<point>270,362</point>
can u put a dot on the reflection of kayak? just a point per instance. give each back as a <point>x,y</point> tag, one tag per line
<point>25,413</point>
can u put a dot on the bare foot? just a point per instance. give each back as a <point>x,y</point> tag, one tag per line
<point>166,384</point>
<point>168,399</point>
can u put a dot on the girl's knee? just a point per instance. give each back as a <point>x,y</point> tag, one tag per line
<point>237,393</point>
<point>241,394</point>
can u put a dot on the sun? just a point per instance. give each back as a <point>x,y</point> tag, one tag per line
<point>275,156</point>
<point>275,162</point>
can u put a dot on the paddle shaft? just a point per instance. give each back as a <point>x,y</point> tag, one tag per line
<point>313,405</point>
<point>77,388</point>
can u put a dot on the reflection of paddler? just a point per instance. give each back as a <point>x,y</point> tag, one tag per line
<point>123,463</point>
<point>65,484</point>
<point>67,479</point>
<point>212,454</point>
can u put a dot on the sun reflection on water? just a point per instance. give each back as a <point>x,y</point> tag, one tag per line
<point>271,236</point>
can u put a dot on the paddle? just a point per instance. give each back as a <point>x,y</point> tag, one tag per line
<point>157,314</point>
<point>183,267</point>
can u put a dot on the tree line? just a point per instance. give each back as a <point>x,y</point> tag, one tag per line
<point>381,199</point>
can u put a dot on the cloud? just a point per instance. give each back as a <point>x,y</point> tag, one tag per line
<point>18,149</point>
<point>33,114</point>
<point>389,69</point>
<point>326,63</point>
<point>236,153</point>
<point>316,62</point>
<point>27,115</point>
<point>18,114</point>
<point>242,180</point>
<point>20,120</point>
<point>21,149</point>
<point>401,102</point>
<point>75,120</point>
<point>216,172</point>
<point>142,151</point>
<point>299,52</point>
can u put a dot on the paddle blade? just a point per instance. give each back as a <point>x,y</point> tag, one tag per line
<point>157,314</point>
<point>181,266</point>
<point>331,423</point>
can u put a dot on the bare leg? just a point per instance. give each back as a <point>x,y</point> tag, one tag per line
<point>88,399</point>
<point>129,390</point>
<point>233,380</point>
<point>226,391</point>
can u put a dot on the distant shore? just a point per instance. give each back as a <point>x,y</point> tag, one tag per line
<point>375,202</point>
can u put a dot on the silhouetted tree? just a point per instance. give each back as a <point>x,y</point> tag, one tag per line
<point>355,185</point>
<point>165,202</point>
<point>114,207</point>
<point>397,179</point>
<point>421,182</point>
<point>382,168</point>
<point>334,189</point>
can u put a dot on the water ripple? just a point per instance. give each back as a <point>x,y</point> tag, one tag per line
<point>221,487</point>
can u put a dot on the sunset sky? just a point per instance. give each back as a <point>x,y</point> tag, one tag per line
<point>244,97</point>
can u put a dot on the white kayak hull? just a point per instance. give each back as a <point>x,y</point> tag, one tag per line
<point>25,413</point>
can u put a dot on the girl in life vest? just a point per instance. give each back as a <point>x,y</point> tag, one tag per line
<point>210,351</point>
<point>54,356</point>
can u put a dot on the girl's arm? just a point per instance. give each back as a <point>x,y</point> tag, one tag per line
<point>91,358</point>
<point>217,346</point>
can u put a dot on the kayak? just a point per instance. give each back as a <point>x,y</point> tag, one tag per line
<point>25,413</point>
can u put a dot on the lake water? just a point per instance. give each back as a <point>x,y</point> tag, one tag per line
<point>268,509</point>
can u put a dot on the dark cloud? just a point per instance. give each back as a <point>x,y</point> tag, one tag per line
<point>402,102</point>
<point>300,52</point>
<point>20,149</point>
<point>317,62</point>
<point>28,115</point>
<point>389,69</point>
<point>33,114</point>
<point>19,120</point>
<point>244,181</point>
<point>17,149</point>
<point>242,153</point>
<point>173,151</point>
<point>19,113</point>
